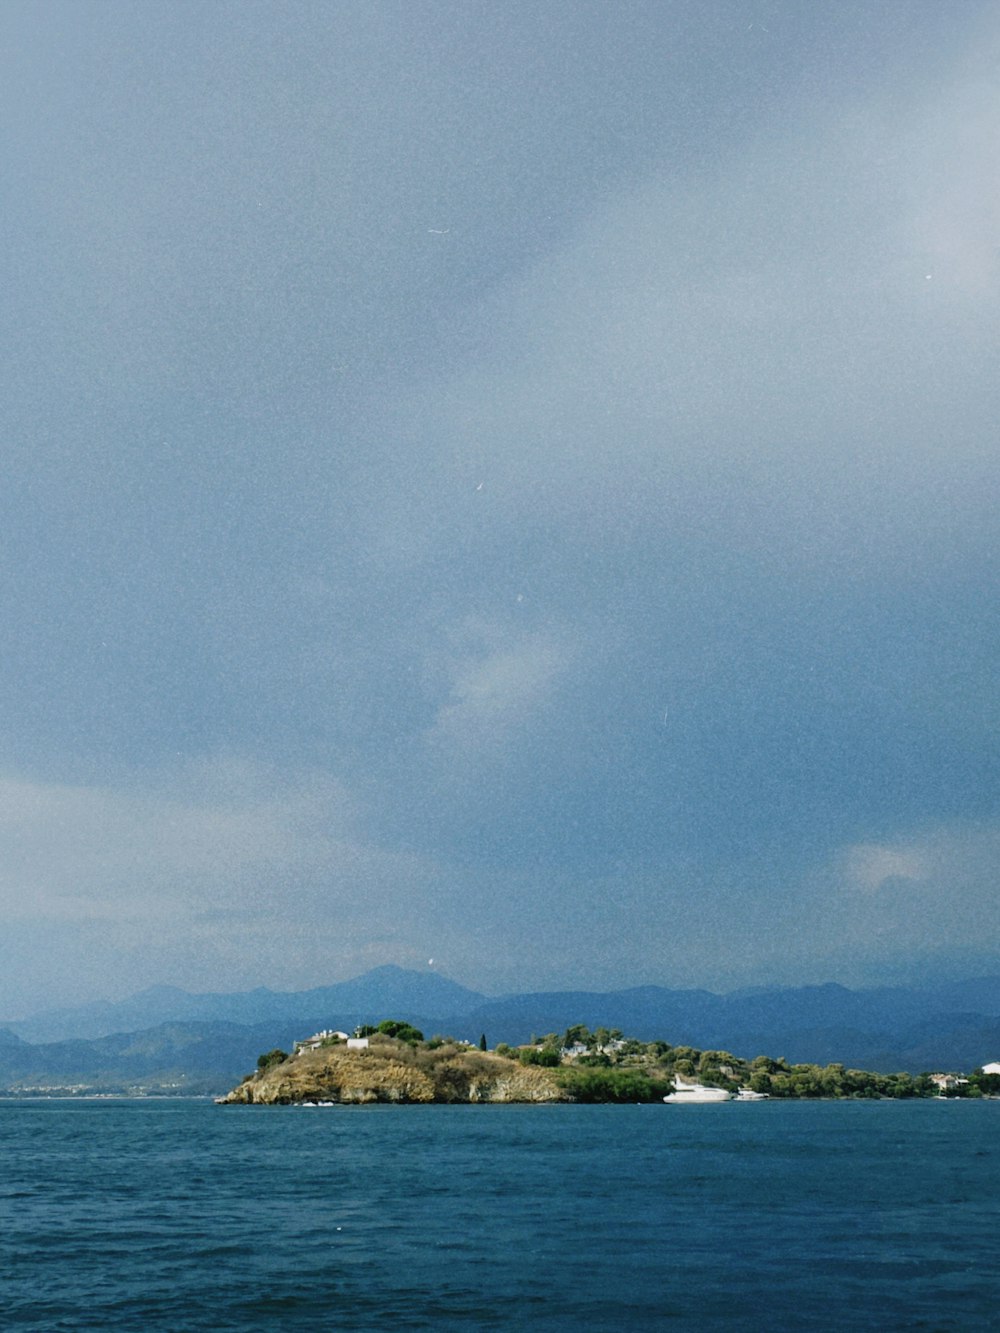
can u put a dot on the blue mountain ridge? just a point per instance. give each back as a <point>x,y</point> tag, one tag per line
<point>177,1039</point>
<point>380,990</point>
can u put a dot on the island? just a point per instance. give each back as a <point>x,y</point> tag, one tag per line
<point>393,1063</point>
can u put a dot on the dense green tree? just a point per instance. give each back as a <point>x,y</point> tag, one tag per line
<point>394,1027</point>
<point>269,1058</point>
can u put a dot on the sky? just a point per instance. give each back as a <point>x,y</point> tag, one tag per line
<point>507,489</point>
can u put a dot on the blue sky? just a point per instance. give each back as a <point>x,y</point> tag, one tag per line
<point>512,485</point>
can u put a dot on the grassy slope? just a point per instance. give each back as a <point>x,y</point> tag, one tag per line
<point>392,1071</point>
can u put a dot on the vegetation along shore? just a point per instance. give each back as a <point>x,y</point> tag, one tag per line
<point>394,1063</point>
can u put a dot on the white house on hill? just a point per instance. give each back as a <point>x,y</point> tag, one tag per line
<point>314,1042</point>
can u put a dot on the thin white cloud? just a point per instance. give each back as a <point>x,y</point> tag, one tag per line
<point>951,862</point>
<point>496,682</point>
<point>929,894</point>
<point>868,866</point>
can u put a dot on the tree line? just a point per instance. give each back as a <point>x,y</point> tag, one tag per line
<point>605,1065</point>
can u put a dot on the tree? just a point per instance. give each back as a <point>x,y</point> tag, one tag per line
<point>269,1058</point>
<point>482,1043</point>
<point>395,1027</point>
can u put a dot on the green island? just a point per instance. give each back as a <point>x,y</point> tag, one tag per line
<point>393,1063</point>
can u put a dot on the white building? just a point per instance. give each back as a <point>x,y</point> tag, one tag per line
<point>314,1042</point>
<point>947,1081</point>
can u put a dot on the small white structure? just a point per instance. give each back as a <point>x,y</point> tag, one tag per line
<point>314,1042</point>
<point>947,1081</point>
<point>992,1068</point>
<point>357,1043</point>
<point>575,1051</point>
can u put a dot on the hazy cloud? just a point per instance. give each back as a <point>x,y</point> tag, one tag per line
<point>868,867</point>
<point>497,681</point>
<point>247,860</point>
<point>797,338</point>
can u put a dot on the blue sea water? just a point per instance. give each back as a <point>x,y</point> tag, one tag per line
<point>181,1215</point>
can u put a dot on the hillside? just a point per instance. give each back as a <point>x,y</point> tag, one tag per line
<point>189,1058</point>
<point>395,1071</point>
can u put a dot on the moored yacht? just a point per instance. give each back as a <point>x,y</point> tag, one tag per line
<point>691,1094</point>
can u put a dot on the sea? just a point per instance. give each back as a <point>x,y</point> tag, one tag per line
<point>182,1215</point>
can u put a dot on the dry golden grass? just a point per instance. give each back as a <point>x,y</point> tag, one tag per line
<point>391,1071</point>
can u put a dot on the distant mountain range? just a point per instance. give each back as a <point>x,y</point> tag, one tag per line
<point>166,1038</point>
<point>378,992</point>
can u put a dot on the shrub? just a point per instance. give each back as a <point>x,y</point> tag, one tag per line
<point>611,1085</point>
<point>531,1055</point>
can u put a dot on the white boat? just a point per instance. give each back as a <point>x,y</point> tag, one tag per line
<point>693,1094</point>
<point>748,1095</point>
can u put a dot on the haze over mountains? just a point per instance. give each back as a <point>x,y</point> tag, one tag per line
<point>376,992</point>
<point>167,1038</point>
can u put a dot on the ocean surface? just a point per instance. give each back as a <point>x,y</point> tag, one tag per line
<point>181,1215</point>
